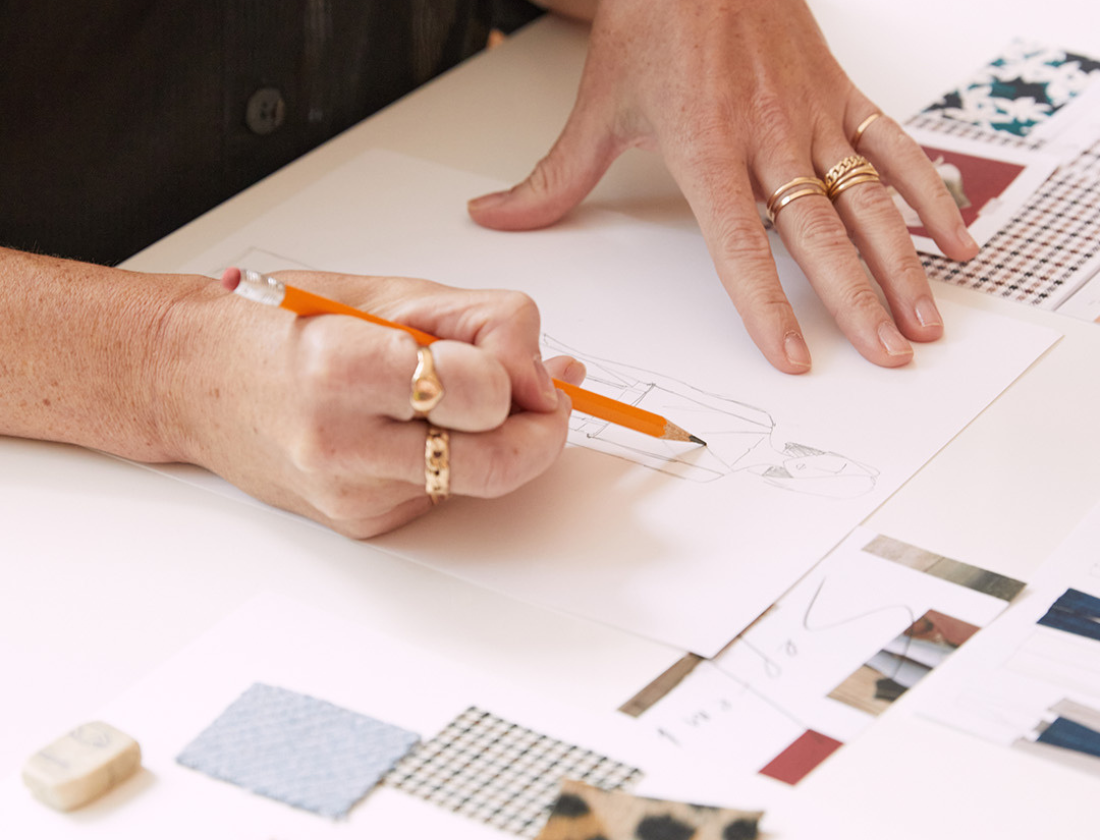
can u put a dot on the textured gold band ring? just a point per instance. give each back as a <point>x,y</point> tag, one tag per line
<point>857,135</point>
<point>427,390</point>
<point>792,190</point>
<point>852,170</point>
<point>437,464</point>
<point>843,167</point>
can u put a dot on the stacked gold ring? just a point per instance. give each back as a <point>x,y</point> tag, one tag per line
<point>852,170</point>
<point>793,190</point>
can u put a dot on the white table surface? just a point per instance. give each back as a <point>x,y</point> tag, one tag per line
<point>109,568</point>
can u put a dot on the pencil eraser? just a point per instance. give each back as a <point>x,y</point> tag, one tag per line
<point>82,765</point>
<point>231,279</point>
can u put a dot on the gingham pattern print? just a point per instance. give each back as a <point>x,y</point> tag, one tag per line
<point>936,121</point>
<point>1035,258</point>
<point>502,774</point>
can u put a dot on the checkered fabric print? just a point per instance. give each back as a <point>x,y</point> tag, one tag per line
<point>936,121</point>
<point>1038,254</point>
<point>502,774</point>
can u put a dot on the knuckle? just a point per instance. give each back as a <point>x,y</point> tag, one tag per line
<point>859,298</point>
<point>766,299</point>
<point>520,305</point>
<point>870,203</point>
<point>902,267</point>
<point>547,177</point>
<point>821,231</point>
<point>741,241</point>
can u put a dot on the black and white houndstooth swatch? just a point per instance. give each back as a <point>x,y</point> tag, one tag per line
<point>500,773</point>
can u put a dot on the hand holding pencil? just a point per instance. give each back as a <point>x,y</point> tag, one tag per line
<point>325,402</point>
<point>266,289</point>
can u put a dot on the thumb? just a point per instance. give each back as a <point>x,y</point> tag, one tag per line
<point>559,182</point>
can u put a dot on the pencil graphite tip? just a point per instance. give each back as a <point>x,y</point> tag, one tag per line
<point>695,439</point>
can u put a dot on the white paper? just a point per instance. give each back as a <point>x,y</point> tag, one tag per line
<point>1083,299</point>
<point>690,552</point>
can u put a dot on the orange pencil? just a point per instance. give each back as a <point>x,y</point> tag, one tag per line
<point>264,288</point>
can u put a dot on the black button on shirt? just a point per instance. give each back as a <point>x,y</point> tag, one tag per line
<point>266,111</point>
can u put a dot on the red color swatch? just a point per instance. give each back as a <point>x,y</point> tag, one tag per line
<point>794,763</point>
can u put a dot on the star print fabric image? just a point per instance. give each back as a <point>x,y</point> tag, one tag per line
<point>1020,90</point>
<point>299,750</point>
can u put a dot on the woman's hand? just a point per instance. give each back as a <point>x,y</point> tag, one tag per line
<point>741,97</point>
<point>314,414</point>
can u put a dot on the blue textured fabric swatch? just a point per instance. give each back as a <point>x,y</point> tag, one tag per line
<point>1075,612</point>
<point>299,750</point>
<point>1071,736</point>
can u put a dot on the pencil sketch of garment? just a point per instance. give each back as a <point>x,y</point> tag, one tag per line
<point>739,436</point>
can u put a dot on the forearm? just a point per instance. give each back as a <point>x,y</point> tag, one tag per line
<point>78,359</point>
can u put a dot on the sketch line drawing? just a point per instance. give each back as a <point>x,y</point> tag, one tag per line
<point>740,437</point>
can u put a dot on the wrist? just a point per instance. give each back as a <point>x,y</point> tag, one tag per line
<point>186,351</point>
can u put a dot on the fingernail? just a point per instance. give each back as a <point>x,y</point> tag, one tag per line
<point>965,239</point>
<point>927,313</point>
<point>575,372</point>
<point>893,341</point>
<point>798,354</point>
<point>488,201</point>
<point>546,384</point>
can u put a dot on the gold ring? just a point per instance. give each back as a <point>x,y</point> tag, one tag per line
<point>852,170</point>
<point>787,193</point>
<point>437,464</point>
<point>851,182</point>
<point>427,390</point>
<point>858,135</point>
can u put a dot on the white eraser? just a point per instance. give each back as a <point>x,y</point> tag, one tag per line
<point>77,768</point>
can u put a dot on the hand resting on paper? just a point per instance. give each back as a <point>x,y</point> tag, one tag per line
<point>742,97</point>
<point>310,414</point>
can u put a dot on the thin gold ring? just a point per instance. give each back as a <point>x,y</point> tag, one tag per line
<point>427,390</point>
<point>787,193</point>
<point>787,199</point>
<point>851,182</point>
<point>794,182</point>
<point>863,126</point>
<point>437,464</point>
